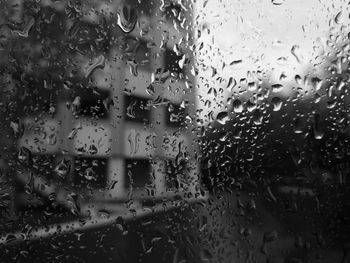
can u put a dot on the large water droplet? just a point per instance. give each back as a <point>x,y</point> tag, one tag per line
<point>277,87</point>
<point>222,117</point>
<point>127,19</point>
<point>132,63</point>
<point>98,63</point>
<point>25,31</point>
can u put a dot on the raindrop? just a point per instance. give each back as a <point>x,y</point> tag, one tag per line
<point>93,149</point>
<point>76,105</point>
<point>318,127</point>
<point>250,106</point>
<point>237,106</point>
<point>257,117</point>
<point>25,31</point>
<point>277,103</point>
<point>298,125</point>
<point>296,52</point>
<point>338,17</point>
<point>127,19</point>
<point>231,84</point>
<point>73,202</point>
<point>89,174</point>
<point>277,2</point>
<point>29,187</point>
<point>277,87</point>
<point>133,66</point>
<point>98,63</point>
<point>63,168</point>
<point>24,155</point>
<point>316,83</point>
<point>130,110</point>
<point>298,79</point>
<point>150,90</point>
<point>222,117</point>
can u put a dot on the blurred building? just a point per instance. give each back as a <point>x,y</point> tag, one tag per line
<point>106,105</point>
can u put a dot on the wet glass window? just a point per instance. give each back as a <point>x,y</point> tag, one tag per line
<point>174,131</point>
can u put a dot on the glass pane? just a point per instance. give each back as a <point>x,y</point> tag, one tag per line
<point>174,131</point>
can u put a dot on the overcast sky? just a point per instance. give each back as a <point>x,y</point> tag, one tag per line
<point>259,32</point>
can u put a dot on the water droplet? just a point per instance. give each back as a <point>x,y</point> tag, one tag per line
<point>133,66</point>
<point>127,19</point>
<point>338,18</point>
<point>231,84</point>
<point>76,105</point>
<point>316,83</point>
<point>92,149</point>
<point>25,31</point>
<point>73,202</point>
<point>24,155</point>
<point>89,174</point>
<point>29,186</point>
<point>277,87</point>
<point>130,110</point>
<point>277,103</point>
<point>257,117</point>
<point>318,127</point>
<point>237,106</point>
<point>298,125</point>
<point>150,90</point>
<point>98,63</point>
<point>222,117</point>
<point>277,2</point>
<point>296,53</point>
<point>63,168</point>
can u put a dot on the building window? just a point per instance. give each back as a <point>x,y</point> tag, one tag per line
<point>175,115</point>
<point>92,104</point>
<point>90,172</point>
<point>137,173</point>
<point>172,61</point>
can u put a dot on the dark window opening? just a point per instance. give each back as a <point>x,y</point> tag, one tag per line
<point>137,173</point>
<point>90,172</point>
<point>175,115</point>
<point>172,62</point>
<point>93,104</point>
